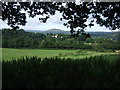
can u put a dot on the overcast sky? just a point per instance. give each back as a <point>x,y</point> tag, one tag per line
<point>53,22</point>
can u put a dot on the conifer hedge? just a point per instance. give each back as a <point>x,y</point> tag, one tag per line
<point>34,72</point>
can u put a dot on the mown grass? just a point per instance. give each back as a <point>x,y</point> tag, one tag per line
<point>9,53</point>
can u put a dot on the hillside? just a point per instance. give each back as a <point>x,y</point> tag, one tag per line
<point>111,35</point>
<point>23,39</point>
<point>54,31</point>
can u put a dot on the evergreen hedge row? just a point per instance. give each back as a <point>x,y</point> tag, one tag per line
<point>33,72</point>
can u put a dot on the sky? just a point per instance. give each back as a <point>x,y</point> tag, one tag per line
<point>53,22</point>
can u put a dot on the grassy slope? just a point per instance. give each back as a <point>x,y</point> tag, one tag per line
<point>8,54</point>
<point>89,54</point>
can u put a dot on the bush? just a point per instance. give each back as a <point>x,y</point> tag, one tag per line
<point>93,72</point>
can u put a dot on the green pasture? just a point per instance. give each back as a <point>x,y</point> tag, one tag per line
<point>9,53</point>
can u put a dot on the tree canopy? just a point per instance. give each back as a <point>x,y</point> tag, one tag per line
<point>31,40</point>
<point>103,13</point>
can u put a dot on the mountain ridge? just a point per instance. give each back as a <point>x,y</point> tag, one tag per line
<point>60,31</point>
<point>114,34</point>
<point>54,31</point>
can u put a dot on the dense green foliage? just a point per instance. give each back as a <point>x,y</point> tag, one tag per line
<point>93,72</point>
<point>22,39</point>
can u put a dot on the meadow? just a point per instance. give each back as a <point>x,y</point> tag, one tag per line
<point>9,53</point>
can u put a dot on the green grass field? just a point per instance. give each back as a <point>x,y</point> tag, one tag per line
<point>8,54</point>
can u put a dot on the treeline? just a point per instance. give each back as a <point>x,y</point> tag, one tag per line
<point>22,39</point>
<point>93,72</point>
<point>109,35</point>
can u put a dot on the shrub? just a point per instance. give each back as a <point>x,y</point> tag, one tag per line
<point>33,72</point>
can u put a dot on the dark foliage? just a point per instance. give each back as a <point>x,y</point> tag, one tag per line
<point>93,72</point>
<point>103,13</point>
<point>22,39</point>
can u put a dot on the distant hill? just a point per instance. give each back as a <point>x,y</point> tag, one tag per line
<point>54,31</point>
<point>105,34</point>
<point>112,35</point>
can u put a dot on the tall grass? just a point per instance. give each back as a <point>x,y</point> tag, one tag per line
<point>33,72</point>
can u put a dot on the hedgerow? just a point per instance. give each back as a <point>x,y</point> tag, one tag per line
<point>34,72</point>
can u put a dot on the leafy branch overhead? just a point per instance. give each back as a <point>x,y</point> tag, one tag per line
<point>103,13</point>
